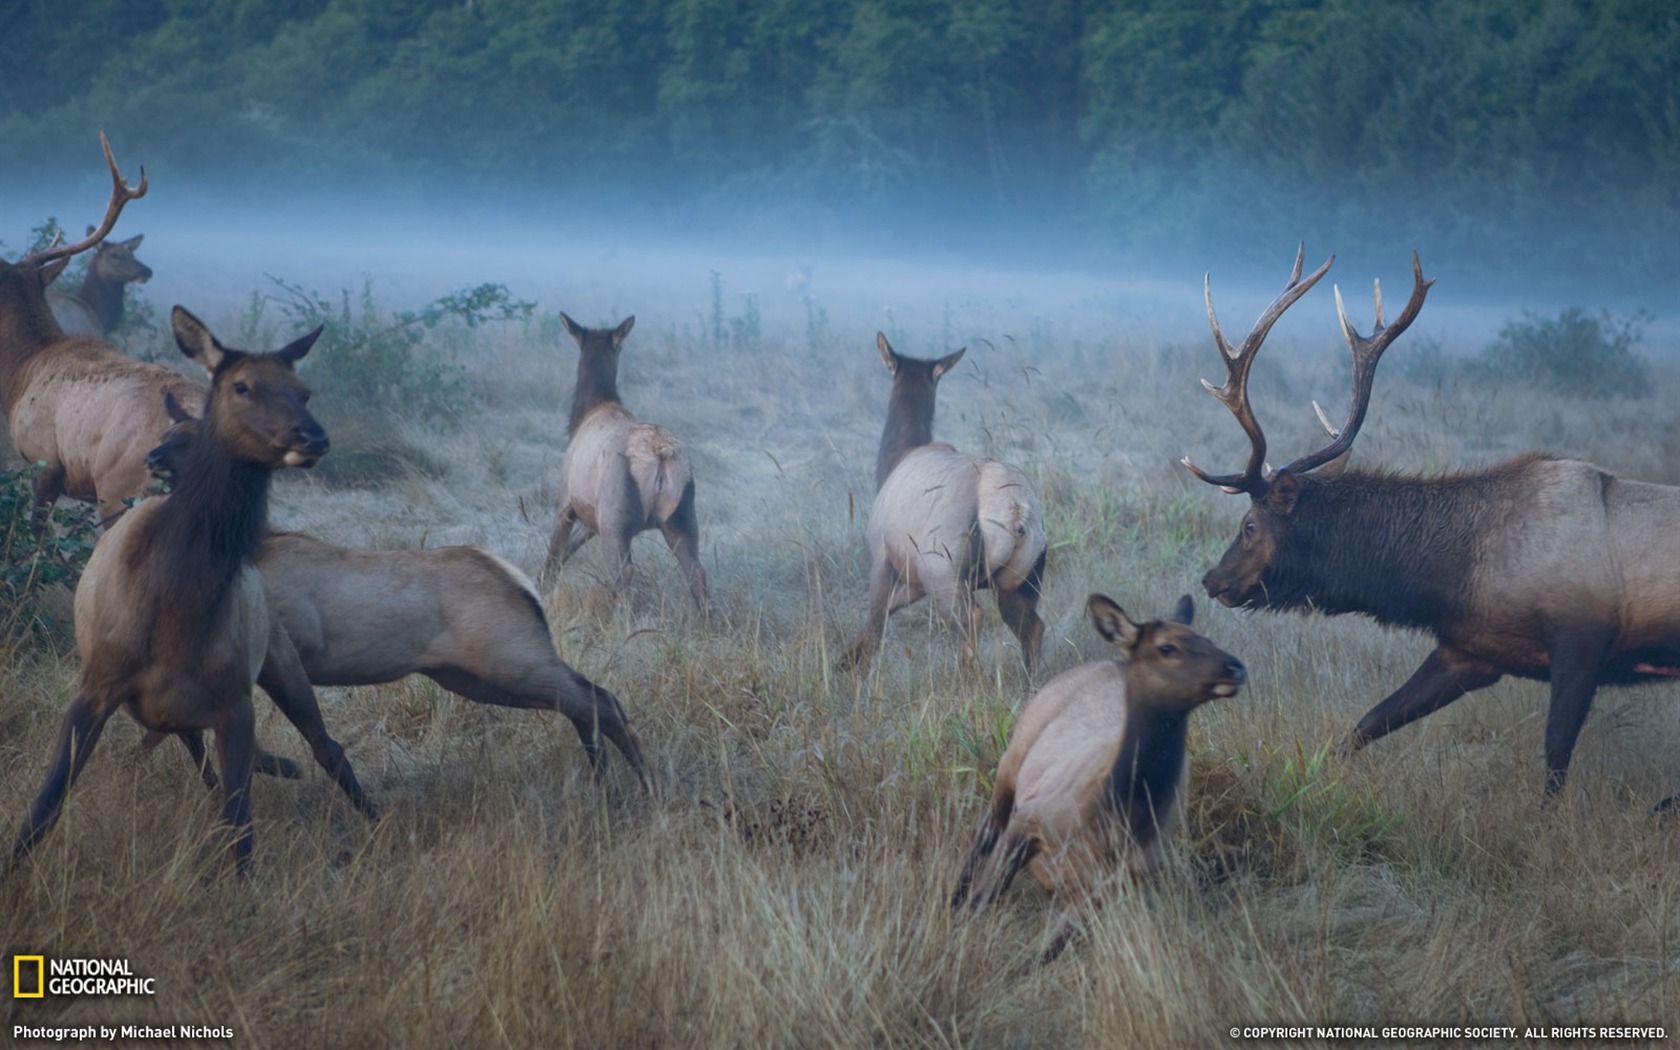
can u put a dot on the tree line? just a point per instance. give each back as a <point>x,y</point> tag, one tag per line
<point>1149,120</point>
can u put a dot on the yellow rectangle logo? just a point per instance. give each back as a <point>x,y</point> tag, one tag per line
<point>18,971</point>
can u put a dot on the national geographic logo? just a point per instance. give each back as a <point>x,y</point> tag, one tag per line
<point>36,977</point>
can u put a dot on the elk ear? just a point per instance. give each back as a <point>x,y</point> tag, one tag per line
<point>623,330</point>
<point>173,407</point>
<point>294,351</point>
<point>1336,467</point>
<point>133,243</point>
<point>50,272</point>
<point>1111,621</point>
<point>1184,611</point>
<point>195,340</point>
<point>948,362</point>
<point>1284,491</point>
<point>573,329</point>
<point>887,353</point>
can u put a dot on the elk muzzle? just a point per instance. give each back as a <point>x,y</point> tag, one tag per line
<point>308,444</point>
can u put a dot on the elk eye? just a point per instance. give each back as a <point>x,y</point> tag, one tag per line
<point>1169,649</point>
<point>1248,528</point>
<point>241,389</point>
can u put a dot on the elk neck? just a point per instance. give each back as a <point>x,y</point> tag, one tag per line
<point>1143,785</point>
<point>27,325</point>
<point>210,525</point>
<point>597,385</point>
<point>909,422</point>
<point>104,298</point>
<point>1398,549</point>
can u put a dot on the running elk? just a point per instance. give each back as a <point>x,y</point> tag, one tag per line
<point>459,615</point>
<point>621,477</point>
<point>944,523</point>
<point>1094,775</point>
<point>73,401</point>
<point>171,620</point>
<point>96,308</point>
<point>1543,568</point>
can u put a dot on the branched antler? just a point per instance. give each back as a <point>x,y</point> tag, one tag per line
<point>1367,351</point>
<point>1234,394</point>
<point>121,194</point>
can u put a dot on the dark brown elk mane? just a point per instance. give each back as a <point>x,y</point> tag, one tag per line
<point>597,372</point>
<point>25,322</point>
<point>1354,546</point>
<point>909,409</point>
<point>1144,782</point>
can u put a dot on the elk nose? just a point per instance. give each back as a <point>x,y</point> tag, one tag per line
<point>310,439</point>
<point>1237,672</point>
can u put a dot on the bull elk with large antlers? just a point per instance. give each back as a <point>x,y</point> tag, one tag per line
<point>72,401</point>
<point>172,623</point>
<point>944,523</point>
<point>1543,568</point>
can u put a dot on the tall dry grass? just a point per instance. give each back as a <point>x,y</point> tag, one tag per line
<point>790,886</point>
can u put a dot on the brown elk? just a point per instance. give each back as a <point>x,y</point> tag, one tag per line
<point>459,615</point>
<point>944,523</point>
<point>96,307</point>
<point>1094,777</point>
<point>171,620</point>
<point>621,477</point>
<point>73,401</point>
<point>1543,568</point>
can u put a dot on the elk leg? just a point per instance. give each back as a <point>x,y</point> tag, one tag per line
<point>1444,676</point>
<point>83,723</point>
<point>236,745</point>
<point>49,485</point>
<point>1019,611</point>
<point>888,592</point>
<point>267,764</point>
<point>985,840</point>
<point>682,535</point>
<point>283,679</point>
<point>618,558</point>
<point>592,710</point>
<point>1575,659</point>
<point>564,542</point>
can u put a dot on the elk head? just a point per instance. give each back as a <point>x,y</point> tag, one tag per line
<point>258,405</point>
<point>114,262</point>
<point>1245,575</point>
<point>1169,667</point>
<point>164,460</point>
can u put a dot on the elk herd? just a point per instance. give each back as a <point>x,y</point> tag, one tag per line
<point>1539,567</point>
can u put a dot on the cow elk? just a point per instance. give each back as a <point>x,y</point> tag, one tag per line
<point>72,401</point>
<point>1094,777</point>
<point>459,615</point>
<point>171,620</point>
<point>621,477</point>
<point>96,308</point>
<point>1543,568</point>
<point>944,523</point>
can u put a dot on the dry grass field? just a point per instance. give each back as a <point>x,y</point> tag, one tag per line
<point>789,886</point>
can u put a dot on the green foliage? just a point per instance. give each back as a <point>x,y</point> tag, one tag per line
<point>1575,353</point>
<point>385,361</point>
<point>40,551</point>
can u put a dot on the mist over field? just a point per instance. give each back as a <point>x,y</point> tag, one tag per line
<point>766,186</point>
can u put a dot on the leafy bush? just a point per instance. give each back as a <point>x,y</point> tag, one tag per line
<point>384,361</point>
<point>39,551</point>
<point>1575,353</point>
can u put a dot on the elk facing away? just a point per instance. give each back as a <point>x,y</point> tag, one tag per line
<point>1094,775</point>
<point>459,615</point>
<point>73,401</point>
<point>96,308</point>
<point>621,477</point>
<point>171,620</point>
<point>1544,568</point>
<point>944,523</point>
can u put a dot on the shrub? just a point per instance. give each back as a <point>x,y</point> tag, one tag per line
<point>1575,353</point>
<point>39,552</point>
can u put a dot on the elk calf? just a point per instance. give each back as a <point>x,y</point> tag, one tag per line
<point>459,615</point>
<point>73,401</point>
<point>944,523</point>
<point>621,477</point>
<point>171,620</point>
<point>1094,775</point>
<point>96,308</point>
